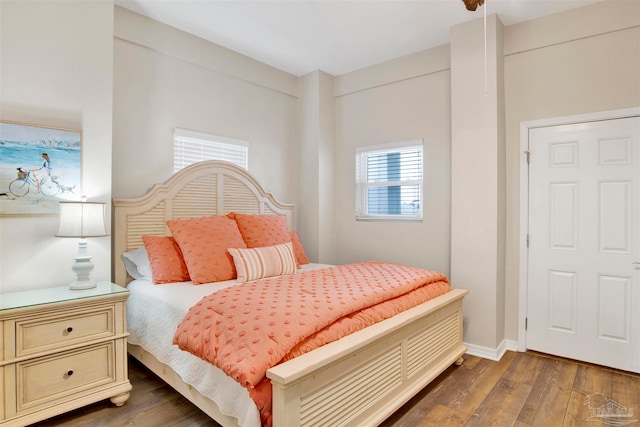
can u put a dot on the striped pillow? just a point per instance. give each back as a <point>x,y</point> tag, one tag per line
<point>268,261</point>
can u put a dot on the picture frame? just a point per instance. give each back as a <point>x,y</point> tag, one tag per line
<point>39,167</point>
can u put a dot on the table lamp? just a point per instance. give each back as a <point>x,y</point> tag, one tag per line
<point>82,219</point>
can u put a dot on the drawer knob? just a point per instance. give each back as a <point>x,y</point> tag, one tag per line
<point>69,329</point>
<point>69,373</point>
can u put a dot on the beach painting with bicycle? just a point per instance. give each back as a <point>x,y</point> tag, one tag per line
<point>39,166</point>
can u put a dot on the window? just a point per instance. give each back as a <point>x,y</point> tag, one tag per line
<point>191,147</point>
<point>389,181</point>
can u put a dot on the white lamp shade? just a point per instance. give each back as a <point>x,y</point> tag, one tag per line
<point>82,219</point>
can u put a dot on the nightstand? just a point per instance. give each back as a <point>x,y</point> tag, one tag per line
<point>61,349</point>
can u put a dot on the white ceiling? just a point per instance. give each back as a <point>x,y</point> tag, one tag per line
<point>301,36</point>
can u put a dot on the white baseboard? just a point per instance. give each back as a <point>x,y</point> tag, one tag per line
<point>492,353</point>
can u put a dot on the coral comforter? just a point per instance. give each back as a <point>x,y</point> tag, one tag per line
<point>246,329</point>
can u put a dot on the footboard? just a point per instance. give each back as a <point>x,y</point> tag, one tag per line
<point>365,377</point>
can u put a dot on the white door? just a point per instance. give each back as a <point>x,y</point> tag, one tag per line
<point>583,290</point>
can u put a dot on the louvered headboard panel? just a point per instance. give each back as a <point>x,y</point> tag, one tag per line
<point>205,188</point>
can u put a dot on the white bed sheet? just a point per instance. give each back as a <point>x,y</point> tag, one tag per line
<point>153,314</point>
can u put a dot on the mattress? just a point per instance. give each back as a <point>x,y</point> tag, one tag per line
<point>153,314</point>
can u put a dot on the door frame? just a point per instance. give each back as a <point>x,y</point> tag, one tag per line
<point>525,127</point>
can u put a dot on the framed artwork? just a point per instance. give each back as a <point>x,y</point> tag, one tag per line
<point>39,166</point>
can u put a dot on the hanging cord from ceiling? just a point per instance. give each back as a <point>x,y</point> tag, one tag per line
<point>485,47</point>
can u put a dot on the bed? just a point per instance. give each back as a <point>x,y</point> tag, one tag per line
<point>360,379</point>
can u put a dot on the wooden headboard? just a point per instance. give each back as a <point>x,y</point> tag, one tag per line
<point>204,188</point>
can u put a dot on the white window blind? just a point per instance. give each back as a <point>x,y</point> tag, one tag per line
<point>389,181</point>
<point>191,147</point>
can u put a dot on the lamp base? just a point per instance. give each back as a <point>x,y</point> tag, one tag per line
<point>82,266</point>
<point>83,285</point>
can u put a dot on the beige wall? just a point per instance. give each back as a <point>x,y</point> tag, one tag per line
<point>396,101</point>
<point>56,70</point>
<point>581,61</point>
<point>165,78</point>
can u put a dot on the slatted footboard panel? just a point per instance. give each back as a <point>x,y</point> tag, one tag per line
<point>336,403</point>
<point>366,386</point>
<point>426,347</point>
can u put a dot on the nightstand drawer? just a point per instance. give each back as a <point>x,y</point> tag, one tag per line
<point>60,331</point>
<point>52,378</point>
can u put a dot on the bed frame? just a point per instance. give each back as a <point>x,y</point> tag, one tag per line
<point>358,380</point>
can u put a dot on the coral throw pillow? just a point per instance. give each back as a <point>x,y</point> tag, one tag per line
<point>204,242</point>
<point>298,249</point>
<point>256,263</point>
<point>262,230</point>
<point>165,258</point>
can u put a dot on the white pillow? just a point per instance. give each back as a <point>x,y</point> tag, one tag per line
<point>137,263</point>
<point>268,261</point>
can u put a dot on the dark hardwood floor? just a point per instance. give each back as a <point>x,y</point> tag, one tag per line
<point>523,389</point>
